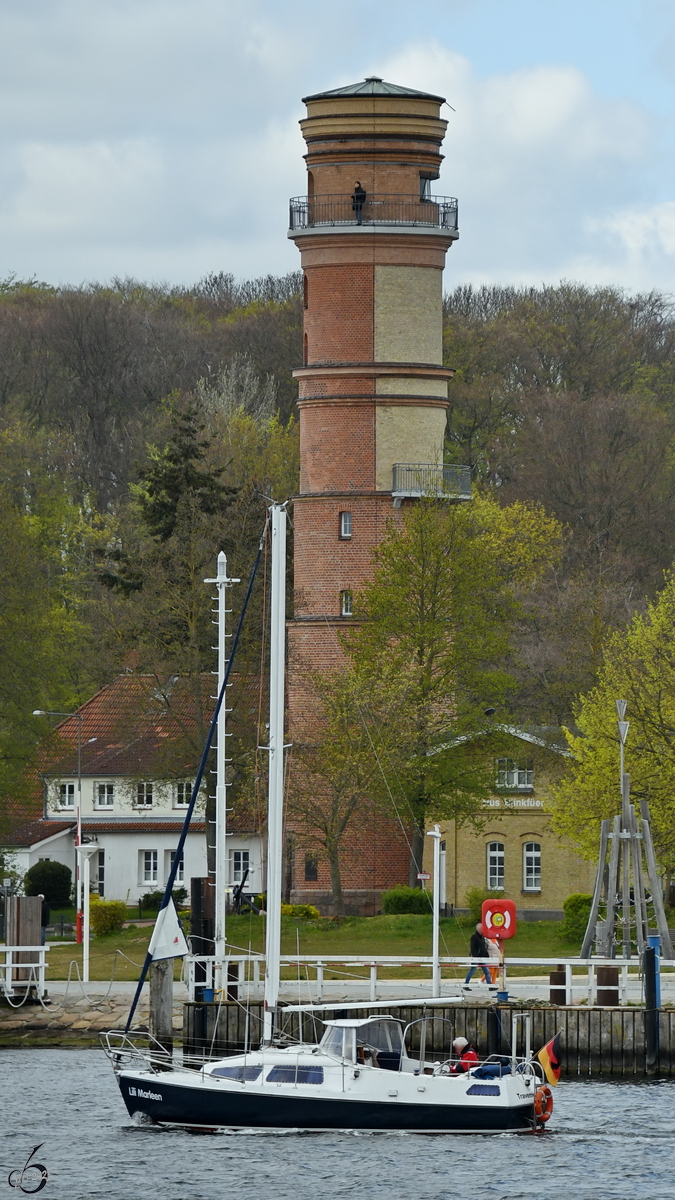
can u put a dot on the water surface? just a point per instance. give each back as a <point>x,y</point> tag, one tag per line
<point>609,1141</point>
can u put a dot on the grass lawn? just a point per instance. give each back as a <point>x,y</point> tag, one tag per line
<point>404,935</point>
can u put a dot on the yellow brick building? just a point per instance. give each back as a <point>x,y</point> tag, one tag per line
<point>515,850</point>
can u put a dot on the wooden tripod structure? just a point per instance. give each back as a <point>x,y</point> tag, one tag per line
<point>620,885</point>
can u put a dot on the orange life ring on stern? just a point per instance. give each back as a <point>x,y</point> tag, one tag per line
<point>543,1104</point>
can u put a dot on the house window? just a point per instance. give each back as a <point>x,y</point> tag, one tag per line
<point>100,876</point>
<point>144,795</point>
<point>66,795</point>
<point>180,873</point>
<point>311,868</point>
<point>531,867</point>
<point>148,866</point>
<point>183,793</point>
<point>518,776</point>
<point>105,793</point>
<point>345,604</point>
<point>240,863</point>
<point>495,866</point>
<point>345,525</point>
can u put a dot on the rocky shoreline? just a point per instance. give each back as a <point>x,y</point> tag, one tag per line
<point>72,1021</point>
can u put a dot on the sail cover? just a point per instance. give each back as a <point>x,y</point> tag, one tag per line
<point>168,939</point>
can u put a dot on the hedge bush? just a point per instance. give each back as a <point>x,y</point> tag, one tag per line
<point>406,900</point>
<point>49,879</point>
<point>307,911</point>
<point>474,898</point>
<point>107,916</point>
<point>577,909</point>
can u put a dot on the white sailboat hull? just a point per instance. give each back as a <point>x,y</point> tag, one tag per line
<point>343,1097</point>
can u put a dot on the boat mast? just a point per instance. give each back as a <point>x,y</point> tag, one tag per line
<point>275,802</point>
<point>221,871</point>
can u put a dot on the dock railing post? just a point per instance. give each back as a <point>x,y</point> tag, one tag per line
<point>624,984</point>
<point>373,982</point>
<point>319,982</point>
<point>590,998</point>
<point>568,983</point>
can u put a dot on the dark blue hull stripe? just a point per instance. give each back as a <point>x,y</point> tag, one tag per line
<point>204,1107</point>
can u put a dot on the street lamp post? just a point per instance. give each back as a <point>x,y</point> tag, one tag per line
<point>435,833</point>
<point>42,712</point>
<point>85,852</point>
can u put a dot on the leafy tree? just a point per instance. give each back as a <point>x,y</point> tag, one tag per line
<point>639,667</point>
<point>49,879</point>
<point>46,644</point>
<point>436,624</point>
<point>334,768</point>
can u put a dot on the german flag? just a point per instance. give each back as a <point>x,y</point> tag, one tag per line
<point>549,1057</point>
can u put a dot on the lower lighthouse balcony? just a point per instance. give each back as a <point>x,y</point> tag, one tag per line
<point>413,480</point>
<point>435,213</point>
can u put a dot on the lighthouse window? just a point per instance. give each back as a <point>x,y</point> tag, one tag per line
<point>345,525</point>
<point>305,291</point>
<point>495,865</point>
<point>346,604</point>
<point>425,187</point>
<point>532,867</point>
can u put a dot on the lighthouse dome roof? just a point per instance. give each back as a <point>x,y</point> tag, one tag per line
<point>373,86</point>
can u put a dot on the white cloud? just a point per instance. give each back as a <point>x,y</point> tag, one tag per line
<point>534,156</point>
<point>159,138</point>
<point>636,243</point>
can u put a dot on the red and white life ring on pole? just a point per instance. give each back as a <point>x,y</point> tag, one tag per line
<point>499,918</point>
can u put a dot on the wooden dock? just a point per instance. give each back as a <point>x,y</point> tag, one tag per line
<point>596,1042</point>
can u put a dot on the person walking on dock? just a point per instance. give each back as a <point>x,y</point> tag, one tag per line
<point>478,949</point>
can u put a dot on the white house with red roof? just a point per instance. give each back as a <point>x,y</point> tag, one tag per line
<point>140,744</point>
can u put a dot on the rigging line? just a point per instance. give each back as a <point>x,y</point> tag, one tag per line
<point>178,855</point>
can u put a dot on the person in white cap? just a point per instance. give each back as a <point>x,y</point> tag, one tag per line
<point>465,1054</point>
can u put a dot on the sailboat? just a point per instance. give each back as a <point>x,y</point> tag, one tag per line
<point>360,1076</point>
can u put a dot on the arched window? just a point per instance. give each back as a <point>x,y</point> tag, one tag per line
<point>305,291</point>
<point>305,352</point>
<point>495,865</point>
<point>531,866</point>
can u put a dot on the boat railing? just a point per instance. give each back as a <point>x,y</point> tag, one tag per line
<point>242,973</point>
<point>138,1049</point>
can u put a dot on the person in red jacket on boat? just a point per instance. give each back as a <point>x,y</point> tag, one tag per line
<point>465,1054</point>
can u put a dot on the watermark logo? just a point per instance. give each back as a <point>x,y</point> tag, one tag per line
<point>30,1178</point>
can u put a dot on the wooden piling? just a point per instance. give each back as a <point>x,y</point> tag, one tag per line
<point>161,1005</point>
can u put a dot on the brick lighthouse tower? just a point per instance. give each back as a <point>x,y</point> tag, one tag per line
<point>372,388</point>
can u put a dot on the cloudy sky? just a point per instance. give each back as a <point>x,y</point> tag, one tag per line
<point>159,138</point>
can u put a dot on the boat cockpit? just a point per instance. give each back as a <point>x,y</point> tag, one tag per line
<point>375,1042</point>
